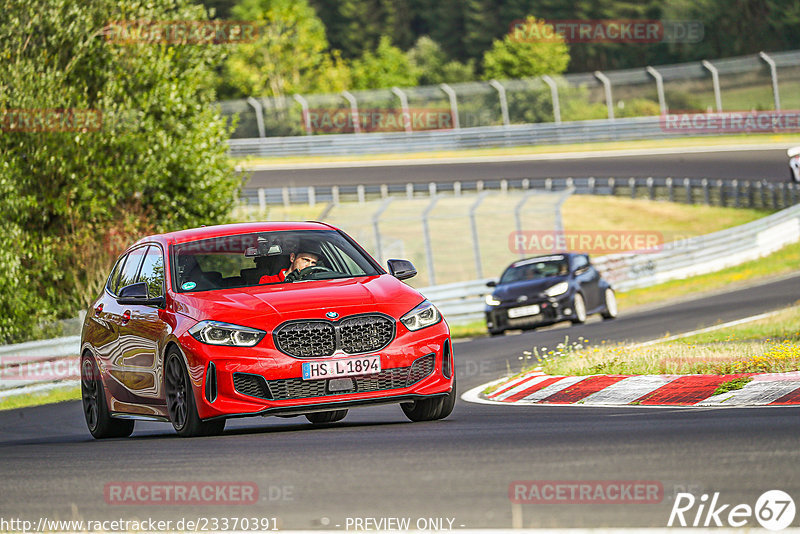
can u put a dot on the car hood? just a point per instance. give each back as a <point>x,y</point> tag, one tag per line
<point>512,290</point>
<point>269,305</point>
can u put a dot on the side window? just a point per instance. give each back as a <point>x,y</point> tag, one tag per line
<point>580,261</point>
<point>111,285</point>
<point>130,269</point>
<point>152,272</point>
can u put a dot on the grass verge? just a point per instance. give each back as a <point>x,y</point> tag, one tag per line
<point>45,397</point>
<point>769,345</point>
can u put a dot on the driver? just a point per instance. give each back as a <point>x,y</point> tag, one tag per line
<point>307,255</point>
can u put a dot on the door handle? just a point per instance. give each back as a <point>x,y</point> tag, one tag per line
<point>126,316</point>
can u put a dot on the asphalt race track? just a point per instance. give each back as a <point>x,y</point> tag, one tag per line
<point>762,164</point>
<point>376,464</point>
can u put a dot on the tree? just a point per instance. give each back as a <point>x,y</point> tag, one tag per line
<point>388,66</point>
<point>148,153</point>
<point>291,54</point>
<point>536,51</point>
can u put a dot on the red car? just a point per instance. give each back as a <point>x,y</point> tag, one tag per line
<point>198,326</point>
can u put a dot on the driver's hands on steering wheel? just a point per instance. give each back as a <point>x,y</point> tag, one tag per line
<point>304,274</point>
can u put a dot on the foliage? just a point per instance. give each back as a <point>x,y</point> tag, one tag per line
<point>388,66</point>
<point>72,199</point>
<point>521,57</point>
<point>432,66</point>
<point>290,55</point>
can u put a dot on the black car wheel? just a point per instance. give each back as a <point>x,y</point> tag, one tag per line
<point>181,403</point>
<point>610,304</point>
<point>578,309</point>
<point>431,409</point>
<point>95,410</point>
<point>319,418</point>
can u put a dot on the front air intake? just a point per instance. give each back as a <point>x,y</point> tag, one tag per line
<point>211,382</point>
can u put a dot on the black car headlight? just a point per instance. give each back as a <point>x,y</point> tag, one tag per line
<point>217,333</point>
<point>422,316</point>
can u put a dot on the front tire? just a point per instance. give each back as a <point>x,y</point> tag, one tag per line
<point>319,418</point>
<point>431,409</point>
<point>181,402</point>
<point>611,304</point>
<point>95,410</point>
<point>578,309</point>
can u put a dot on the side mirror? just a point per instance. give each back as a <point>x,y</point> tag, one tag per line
<point>491,283</point>
<point>401,269</point>
<point>136,294</point>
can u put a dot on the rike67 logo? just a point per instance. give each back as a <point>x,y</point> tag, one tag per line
<point>774,510</point>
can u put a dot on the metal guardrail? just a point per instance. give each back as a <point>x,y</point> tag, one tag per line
<point>463,302</point>
<point>479,137</point>
<point>730,193</point>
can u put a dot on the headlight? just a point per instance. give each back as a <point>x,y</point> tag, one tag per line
<point>558,289</point>
<point>491,301</point>
<point>216,333</point>
<point>423,315</point>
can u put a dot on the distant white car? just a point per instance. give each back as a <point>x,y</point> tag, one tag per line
<point>794,163</point>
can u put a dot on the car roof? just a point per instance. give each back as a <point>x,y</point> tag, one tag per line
<point>546,257</point>
<point>222,230</point>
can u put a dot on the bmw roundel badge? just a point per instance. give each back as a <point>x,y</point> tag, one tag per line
<point>331,315</point>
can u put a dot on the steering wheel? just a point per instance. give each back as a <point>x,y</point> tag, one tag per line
<point>309,272</point>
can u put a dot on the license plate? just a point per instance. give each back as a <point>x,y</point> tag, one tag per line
<point>365,365</point>
<point>523,311</point>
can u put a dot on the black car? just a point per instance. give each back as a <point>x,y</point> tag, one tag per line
<point>548,289</point>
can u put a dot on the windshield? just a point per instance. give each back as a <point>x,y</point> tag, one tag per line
<point>266,258</point>
<point>535,269</point>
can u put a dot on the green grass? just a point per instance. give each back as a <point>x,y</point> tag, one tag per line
<point>538,149</point>
<point>36,399</point>
<point>733,385</point>
<point>768,345</point>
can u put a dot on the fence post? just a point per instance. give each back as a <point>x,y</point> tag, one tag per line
<point>479,186</point>
<point>554,96</point>
<point>501,93</point>
<point>651,190</point>
<point>548,184</point>
<point>376,228</point>
<point>312,196</point>
<point>262,199</point>
<point>592,185</point>
<point>432,189</point>
<point>721,188</point>
<point>782,187</point>
<point>384,191</point>
<point>353,110</point>
<point>612,185</point>
<point>632,185</point>
<point>285,195</point>
<point>687,184</point>
<point>762,199</point>
<point>427,237</point>
<point>476,250</point>
<point>526,184</point>
<point>306,116</point>
<point>706,196</point>
<point>404,106</point>
<point>504,186</point>
<point>607,86</point>
<point>259,109</point>
<point>662,101</point>
<point>773,72</point>
<point>457,189</point>
<point>451,95</point>
<point>361,193</point>
<point>670,189</point>
<point>735,185</point>
<point>410,191</point>
<point>335,194</point>
<point>715,81</point>
<point>750,195</point>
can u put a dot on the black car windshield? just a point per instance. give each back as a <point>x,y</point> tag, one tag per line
<point>535,268</point>
<point>263,258</point>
